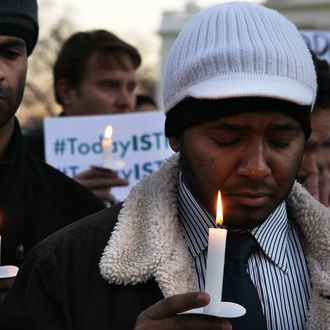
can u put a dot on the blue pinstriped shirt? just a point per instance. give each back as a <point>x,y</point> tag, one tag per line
<point>277,269</point>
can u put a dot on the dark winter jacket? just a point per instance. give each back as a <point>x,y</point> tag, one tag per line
<point>35,201</point>
<point>81,298</point>
<point>101,272</point>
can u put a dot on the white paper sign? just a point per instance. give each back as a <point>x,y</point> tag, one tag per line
<point>73,144</point>
<point>318,41</point>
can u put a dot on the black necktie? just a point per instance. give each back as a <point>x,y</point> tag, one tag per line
<point>237,284</point>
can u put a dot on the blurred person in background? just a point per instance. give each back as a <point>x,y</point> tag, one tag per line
<point>94,74</point>
<point>324,181</point>
<point>145,103</point>
<point>314,169</point>
<point>35,199</point>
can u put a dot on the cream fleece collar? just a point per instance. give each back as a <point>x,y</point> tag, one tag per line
<point>147,241</point>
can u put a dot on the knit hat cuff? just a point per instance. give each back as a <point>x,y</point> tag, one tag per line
<point>191,112</point>
<point>21,27</point>
<point>246,85</point>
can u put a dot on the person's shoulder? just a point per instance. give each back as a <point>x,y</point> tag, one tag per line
<point>62,190</point>
<point>33,140</point>
<point>90,234</point>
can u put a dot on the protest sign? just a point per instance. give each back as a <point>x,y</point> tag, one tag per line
<point>318,41</point>
<point>73,144</point>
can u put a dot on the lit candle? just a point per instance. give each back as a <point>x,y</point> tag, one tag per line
<point>215,263</point>
<point>107,147</point>
<point>214,274</point>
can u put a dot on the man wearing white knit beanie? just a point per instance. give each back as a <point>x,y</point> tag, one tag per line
<point>238,92</point>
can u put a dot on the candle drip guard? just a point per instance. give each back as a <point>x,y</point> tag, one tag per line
<point>226,310</point>
<point>8,271</point>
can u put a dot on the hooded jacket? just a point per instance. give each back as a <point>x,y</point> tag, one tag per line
<point>103,271</point>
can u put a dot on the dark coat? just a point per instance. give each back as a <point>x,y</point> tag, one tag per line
<point>35,201</point>
<point>82,299</point>
<point>60,286</point>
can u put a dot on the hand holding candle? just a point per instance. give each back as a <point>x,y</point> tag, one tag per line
<point>7,275</point>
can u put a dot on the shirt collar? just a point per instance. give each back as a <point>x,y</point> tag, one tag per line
<point>272,236</point>
<point>195,221</point>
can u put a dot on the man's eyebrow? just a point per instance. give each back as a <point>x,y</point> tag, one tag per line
<point>108,80</point>
<point>236,126</point>
<point>12,43</point>
<point>286,126</point>
<point>228,126</point>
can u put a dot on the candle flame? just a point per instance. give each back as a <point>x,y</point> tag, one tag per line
<point>219,218</point>
<point>108,132</point>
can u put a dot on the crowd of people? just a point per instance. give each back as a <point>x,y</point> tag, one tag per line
<point>247,112</point>
<point>36,200</point>
<point>94,74</point>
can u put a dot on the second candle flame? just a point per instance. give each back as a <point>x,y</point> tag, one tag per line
<point>219,217</point>
<point>108,132</point>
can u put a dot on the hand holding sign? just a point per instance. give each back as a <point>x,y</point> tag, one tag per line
<point>74,146</point>
<point>100,181</point>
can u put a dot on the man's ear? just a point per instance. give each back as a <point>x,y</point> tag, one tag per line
<point>65,91</point>
<point>175,143</point>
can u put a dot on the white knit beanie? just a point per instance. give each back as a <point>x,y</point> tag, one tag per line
<point>239,49</point>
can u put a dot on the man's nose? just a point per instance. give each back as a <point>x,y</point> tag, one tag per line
<point>254,164</point>
<point>124,101</point>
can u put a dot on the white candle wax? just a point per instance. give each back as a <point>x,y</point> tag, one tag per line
<point>214,273</point>
<point>0,250</point>
<point>214,270</point>
<point>107,148</point>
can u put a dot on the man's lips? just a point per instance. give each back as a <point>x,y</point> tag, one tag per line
<point>251,199</point>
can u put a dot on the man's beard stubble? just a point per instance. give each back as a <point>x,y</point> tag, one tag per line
<point>10,101</point>
<point>191,181</point>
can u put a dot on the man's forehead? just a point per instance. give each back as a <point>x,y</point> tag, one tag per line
<point>111,61</point>
<point>320,128</point>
